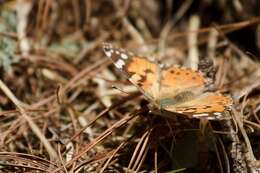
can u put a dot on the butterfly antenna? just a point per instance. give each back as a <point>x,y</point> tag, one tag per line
<point>119,89</point>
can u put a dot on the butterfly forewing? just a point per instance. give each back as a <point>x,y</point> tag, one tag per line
<point>176,80</point>
<point>139,70</point>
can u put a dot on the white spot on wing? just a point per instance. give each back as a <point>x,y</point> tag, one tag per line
<point>108,53</point>
<point>211,118</point>
<point>119,63</point>
<point>217,113</point>
<point>124,56</point>
<point>200,115</point>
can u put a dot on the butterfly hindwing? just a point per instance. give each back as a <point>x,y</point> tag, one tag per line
<point>207,105</point>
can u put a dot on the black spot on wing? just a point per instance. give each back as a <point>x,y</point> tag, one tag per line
<point>143,79</point>
<point>148,71</point>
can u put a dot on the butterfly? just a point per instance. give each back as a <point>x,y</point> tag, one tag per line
<point>172,89</point>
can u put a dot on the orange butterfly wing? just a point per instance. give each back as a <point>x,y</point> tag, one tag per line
<point>179,90</point>
<point>208,105</point>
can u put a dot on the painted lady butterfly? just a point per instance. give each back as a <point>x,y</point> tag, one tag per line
<point>172,89</point>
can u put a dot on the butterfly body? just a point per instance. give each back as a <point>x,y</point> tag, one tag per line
<point>172,89</point>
